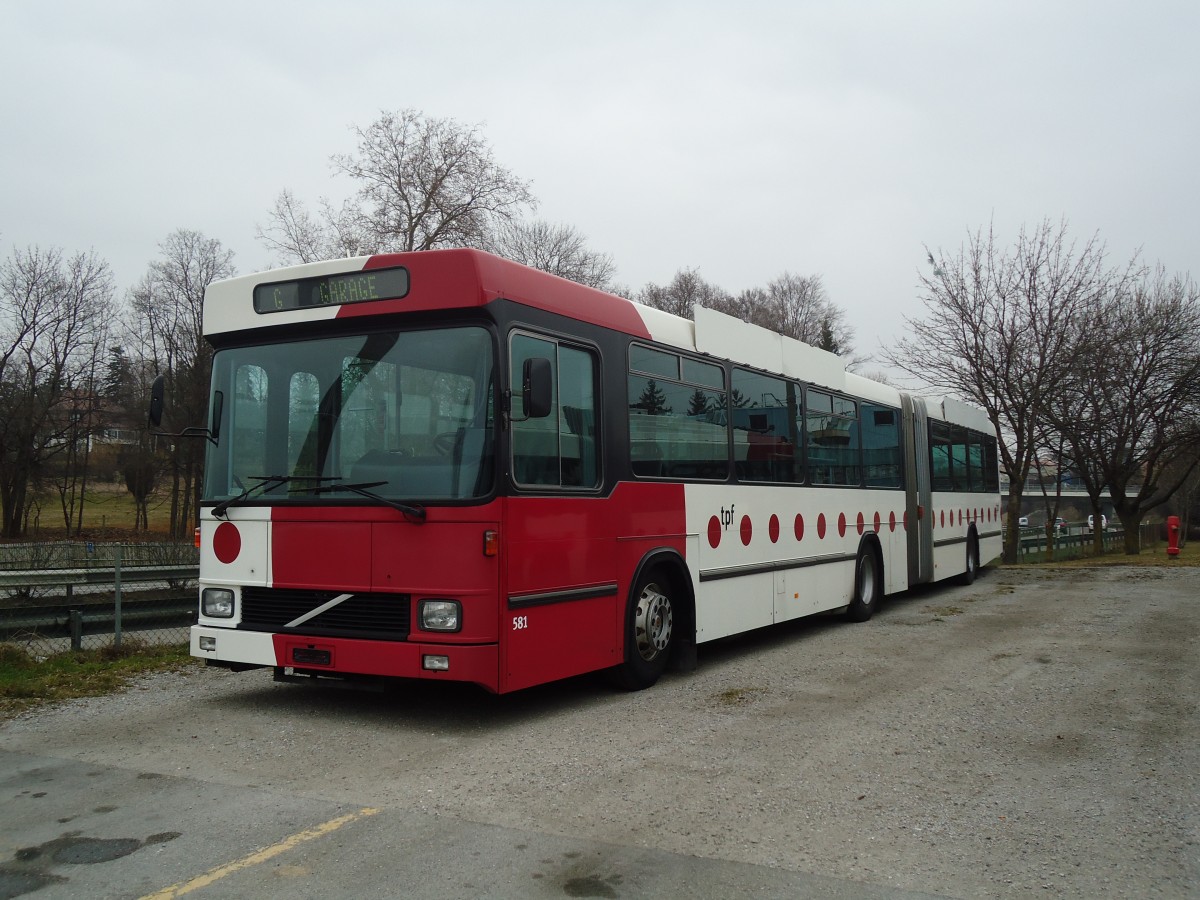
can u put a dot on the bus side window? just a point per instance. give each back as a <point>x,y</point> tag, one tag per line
<point>832,434</point>
<point>940,443</point>
<point>881,446</point>
<point>558,450</point>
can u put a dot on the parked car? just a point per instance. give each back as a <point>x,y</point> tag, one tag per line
<point>1023,522</point>
<point>1060,525</point>
<point>1103,524</point>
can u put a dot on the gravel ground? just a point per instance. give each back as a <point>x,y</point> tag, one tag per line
<point>1035,733</point>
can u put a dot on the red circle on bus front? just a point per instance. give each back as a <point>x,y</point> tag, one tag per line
<point>227,542</point>
<point>821,526</point>
<point>799,527</point>
<point>747,530</point>
<point>773,528</point>
<point>714,532</point>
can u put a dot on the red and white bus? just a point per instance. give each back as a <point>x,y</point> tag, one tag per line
<point>444,465</point>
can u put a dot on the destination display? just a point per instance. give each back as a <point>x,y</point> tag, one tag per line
<point>331,290</point>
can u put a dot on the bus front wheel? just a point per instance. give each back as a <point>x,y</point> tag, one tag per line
<point>649,633</point>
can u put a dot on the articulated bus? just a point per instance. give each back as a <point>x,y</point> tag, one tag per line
<point>444,465</point>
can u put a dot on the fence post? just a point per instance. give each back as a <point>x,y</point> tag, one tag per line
<point>117,596</point>
<point>76,629</point>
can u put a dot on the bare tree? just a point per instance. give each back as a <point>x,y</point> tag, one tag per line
<point>52,326</point>
<point>998,324</point>
<point>90,290</point>
<point>1129,406</point>
<point>686,290</point>
<point>293,233</point>
<point>558,249</point>
<point>421,183</point>
<point>168,303</point>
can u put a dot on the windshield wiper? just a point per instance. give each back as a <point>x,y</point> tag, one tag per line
<point>412,510</point>
<point>263,483</point>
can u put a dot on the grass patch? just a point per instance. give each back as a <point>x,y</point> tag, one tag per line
<point>1155,557</point>
<point>107,508</point>
<point>26,682</point>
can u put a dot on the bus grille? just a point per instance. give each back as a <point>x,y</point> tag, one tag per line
<point>377,617</point>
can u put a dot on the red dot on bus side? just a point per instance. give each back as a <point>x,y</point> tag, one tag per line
<point>747,530</point>
<point>943,518</point>
<point>227,542</point>
<point>892,520</point>
<point>798,527</point>
<point>841,524</point>
<point>861,524</point>
<point>714,532</point>
<point>877,523</point>
<point>773,528</point>
<point>904,521</point>
<point>821,526</point>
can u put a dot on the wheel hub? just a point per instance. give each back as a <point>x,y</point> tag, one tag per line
<point>653,621</point>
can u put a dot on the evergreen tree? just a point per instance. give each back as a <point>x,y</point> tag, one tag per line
<point>653,400</point>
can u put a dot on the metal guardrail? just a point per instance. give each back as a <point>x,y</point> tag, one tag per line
<point>53,595</point>
<point>19,578</point>
<point>1077,541</point>
<point>95,554</point>
<point>54,622</point>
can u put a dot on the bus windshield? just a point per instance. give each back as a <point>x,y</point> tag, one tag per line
<point>400,415</point>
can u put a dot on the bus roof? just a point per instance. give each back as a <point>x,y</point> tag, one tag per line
<point>449,279</point>
<point>438,279</point>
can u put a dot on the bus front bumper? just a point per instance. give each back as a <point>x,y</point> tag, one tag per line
<point>342,657</point>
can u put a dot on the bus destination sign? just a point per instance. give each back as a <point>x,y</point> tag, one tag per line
<point>331,290</point>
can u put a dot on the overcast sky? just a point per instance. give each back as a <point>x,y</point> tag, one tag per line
<point>741,139</point>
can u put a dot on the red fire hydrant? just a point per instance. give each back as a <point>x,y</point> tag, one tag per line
<point>1172,535</point>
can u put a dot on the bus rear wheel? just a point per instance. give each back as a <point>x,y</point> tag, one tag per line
<point>972,570</point>
<point>649,633</point>
<point>867,585</point>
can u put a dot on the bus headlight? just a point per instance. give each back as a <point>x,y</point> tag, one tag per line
<point>217,603</point>
<point>440,615</point>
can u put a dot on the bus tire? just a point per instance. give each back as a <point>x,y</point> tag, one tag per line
<point>971,572</point>
<point>649,632</point>
<point>868,584</point>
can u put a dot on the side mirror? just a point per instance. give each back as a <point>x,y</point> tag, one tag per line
<point>537,387</point>
<point>156,401</point>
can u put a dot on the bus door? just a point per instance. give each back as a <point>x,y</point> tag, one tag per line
<point>918,490</point>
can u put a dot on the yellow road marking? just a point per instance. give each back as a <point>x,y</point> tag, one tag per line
<point>259,856</point>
